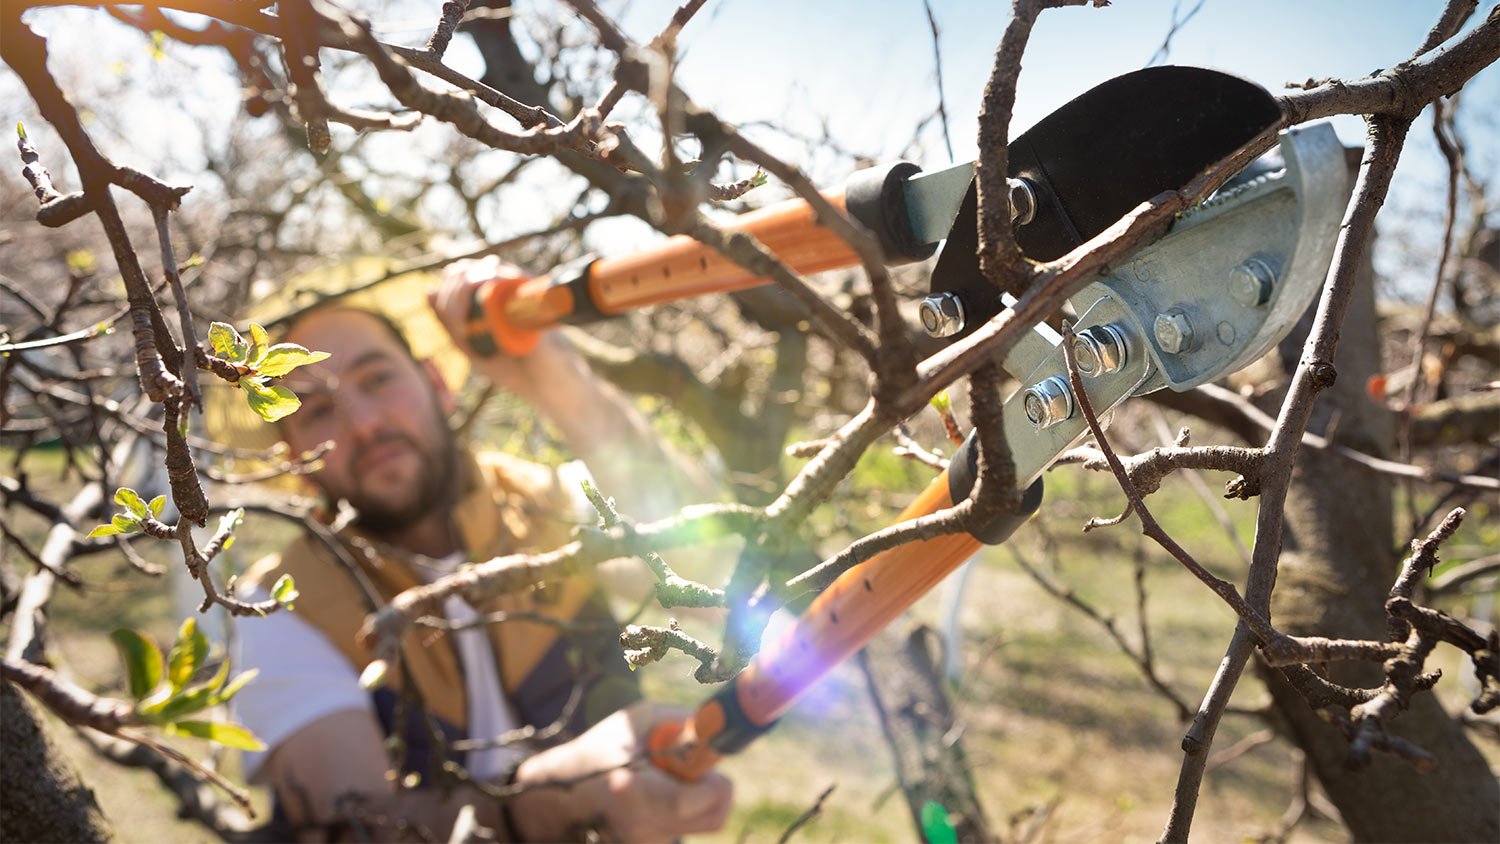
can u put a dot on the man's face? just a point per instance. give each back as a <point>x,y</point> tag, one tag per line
<point>393,456</point>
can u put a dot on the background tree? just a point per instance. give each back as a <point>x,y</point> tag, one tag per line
<point>578,125</point>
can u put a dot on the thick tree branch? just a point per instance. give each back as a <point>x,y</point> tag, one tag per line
<point>1403,91</point>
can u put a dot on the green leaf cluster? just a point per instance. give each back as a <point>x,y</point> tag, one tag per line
<point>132,519</point>
<point>165,695</point>
<point>267,363</point>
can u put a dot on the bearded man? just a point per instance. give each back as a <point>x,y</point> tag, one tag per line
<point>421,506</point>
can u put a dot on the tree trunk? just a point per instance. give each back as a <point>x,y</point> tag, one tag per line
<point>43,798</point>
<point>1336,570</point>
<point>907,686</point>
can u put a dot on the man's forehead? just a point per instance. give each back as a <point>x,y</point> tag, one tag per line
<point>348,329</point>
<point>351,337</point>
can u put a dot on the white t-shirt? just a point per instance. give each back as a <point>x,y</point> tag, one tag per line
<point>304,678</point>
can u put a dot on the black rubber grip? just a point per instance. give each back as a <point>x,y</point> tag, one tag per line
<point>739,730</point>
<point>963,470</point>
<point>575,276</point>
<point>877,198</point>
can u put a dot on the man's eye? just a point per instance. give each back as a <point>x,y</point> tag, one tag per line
<point>376,379</point>
<point>316,409</point>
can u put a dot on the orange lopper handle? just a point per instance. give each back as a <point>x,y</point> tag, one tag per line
<point>509,313</point>
<point>836,625</point>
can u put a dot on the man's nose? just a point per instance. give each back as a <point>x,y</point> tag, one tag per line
<point>362,417</point>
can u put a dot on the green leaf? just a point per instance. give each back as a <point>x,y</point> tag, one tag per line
<point>285,590</point>
<point>284,357</point>
<point>272,403</point>
<point>186,702</point>
<point>157,504</point>
<point>941,403</point>
<point>131,500</point>
<point>125,524</point>
<point>104,530</point>
<point>223,695</point>
<point>188,652</point>
<point>227,343</point>
<point>229,735</point>
<point>21,129</point>
<point>260,343</point>
<point>142,661</point>
<point>937,828</point>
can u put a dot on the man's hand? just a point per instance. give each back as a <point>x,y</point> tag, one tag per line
<point>629,461</point>
<point>533,377</point>
<point>615,789</point>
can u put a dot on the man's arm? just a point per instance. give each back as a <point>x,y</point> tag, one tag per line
<point>333,772</point>
<point>627,458</point>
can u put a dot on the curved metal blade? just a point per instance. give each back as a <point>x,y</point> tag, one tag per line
<point>1125,141</point>
<point>1228,282</point>
<point>1102,154</point>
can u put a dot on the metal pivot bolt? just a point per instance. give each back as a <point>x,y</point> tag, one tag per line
<point>1173,331</point>
<point>1049,402</point>
<point>942,314</point>
<point>1099,350</point>
<point>1022,201</point>
<point>1251,283</point>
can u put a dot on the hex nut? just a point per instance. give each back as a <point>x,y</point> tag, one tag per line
<point>1173,332</point>
<point>1099,350</point>
<point>1251,283</point>
<point>1022,201</point>
<point>1048,402</point>
<point>942,315</point>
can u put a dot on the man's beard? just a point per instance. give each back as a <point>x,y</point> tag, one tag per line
<point>435,490</point>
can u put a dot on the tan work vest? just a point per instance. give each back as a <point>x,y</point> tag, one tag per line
<point>507,506</point>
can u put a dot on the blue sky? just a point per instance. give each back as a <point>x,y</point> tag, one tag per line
<point>869,64</point>
<point>867,68</point>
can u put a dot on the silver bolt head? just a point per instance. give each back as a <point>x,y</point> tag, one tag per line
<point>1251,283</point>
<point>1099,350</point>
<point>942,315</point>
<point>1085,356</point>
<point>1036,409</point>
<point>1022,201</point>
<point>1173,332</point>
<point>1048,402</point>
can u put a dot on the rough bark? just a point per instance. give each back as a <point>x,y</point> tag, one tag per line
<point>43,798</point>
<point>906,683</point>
<point>1335,572</point>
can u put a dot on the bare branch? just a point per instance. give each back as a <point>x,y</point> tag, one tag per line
<point>1403,91</point>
